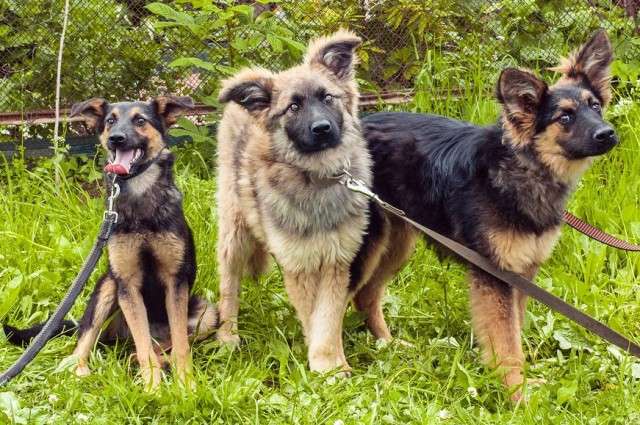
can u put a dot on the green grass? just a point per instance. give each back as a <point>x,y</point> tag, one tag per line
<point>46,229</point>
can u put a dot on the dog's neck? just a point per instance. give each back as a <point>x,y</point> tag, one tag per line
<point>534,193</point>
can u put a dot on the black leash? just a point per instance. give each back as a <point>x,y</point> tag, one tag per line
<point>513,279</point>
<point>110,218</point>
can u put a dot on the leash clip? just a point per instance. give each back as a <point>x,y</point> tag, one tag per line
<point>358,186</point>
<point>115,192</point>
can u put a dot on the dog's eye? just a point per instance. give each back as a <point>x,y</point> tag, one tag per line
<point>565,118</point>
<point>111,121</point>
<point>140,121</point>
<point>294,107</point>
<point>328,99</point>
<point>596,107</point>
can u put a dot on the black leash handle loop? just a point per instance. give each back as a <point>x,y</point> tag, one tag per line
<point>67,302</point>
<point>110,219</point>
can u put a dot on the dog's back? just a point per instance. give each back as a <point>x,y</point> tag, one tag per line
<point>424,164</point>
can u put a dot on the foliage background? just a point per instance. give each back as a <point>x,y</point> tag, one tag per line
<point>449,53</point>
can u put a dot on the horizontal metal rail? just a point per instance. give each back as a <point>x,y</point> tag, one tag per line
<point>47,116</point>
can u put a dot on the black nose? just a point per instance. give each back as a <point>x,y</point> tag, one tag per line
<point>116,139</point>
<point>604,134</point>
<point>321,127</point>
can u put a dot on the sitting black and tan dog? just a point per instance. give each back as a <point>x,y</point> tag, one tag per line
<point>152,264</point>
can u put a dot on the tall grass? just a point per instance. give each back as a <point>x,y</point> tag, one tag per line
<point>46,229</point>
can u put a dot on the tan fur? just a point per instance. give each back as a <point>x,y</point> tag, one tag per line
<point>496,318</point>
<point>552,155</point>
<point>156,143</point>
<point>569,104</point>
<point>592,61</point>
<point>271,198</point>
<point>128,271</point>
<point>168,251</point>
<point>517,251</point>
<point>396,248</point>
<point>106,301</point>
<point>518,89</point>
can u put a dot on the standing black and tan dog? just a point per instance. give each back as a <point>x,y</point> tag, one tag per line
<point>281,142</point>
<point>152,264</point>
<point>501,190</point>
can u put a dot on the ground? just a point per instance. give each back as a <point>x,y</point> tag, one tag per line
<point>46,229</point>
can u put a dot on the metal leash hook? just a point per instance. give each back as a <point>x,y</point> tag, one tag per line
<point>115,192</point>
<point>358,186</point>
<point>49,329</point>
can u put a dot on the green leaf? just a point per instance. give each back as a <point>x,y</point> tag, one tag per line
<point>197,62</point>
<point>168,12</point>
<point>9,294</point>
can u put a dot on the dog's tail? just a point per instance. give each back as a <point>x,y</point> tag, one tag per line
<point>24,336</point>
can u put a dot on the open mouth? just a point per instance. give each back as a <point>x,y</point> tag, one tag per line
<point>123,161</point>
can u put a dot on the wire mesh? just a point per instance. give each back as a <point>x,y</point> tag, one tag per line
<point>132,49</point>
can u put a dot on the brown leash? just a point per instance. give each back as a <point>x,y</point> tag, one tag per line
<point>513,279</point>
<point>597,234</point>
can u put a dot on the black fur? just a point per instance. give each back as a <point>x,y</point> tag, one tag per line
<point>372,234</point>
<point>23,336</point>
<point>450,175</point>
<point>157,211</point>
<point>314,107</point>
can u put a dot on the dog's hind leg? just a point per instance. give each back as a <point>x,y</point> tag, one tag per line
<point>101,305</point>
<point>496,313</point>
<point>369,298</point>
<point>235,248</point>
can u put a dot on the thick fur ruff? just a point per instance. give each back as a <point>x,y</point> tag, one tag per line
<point>276,197</point>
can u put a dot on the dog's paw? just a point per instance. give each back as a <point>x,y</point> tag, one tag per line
<point>82,371</point>
<point>229,339</point>
<point>151,378</point>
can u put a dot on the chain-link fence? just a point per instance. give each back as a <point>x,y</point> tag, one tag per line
<point>126,49</point>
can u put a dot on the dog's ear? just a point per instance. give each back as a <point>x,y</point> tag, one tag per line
<point>336,53</point>
<point>92,110</point>
<point>250,88</point>
<point>520,93</point>
<point>169,107</point>
<point>592,62</point>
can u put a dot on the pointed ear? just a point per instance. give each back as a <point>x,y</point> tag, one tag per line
<point>520,93</point>
<point>92,110</point>
<point>251,88</point>
<point>592,62</point>
<point>336,53</point>
<point>170,107</point>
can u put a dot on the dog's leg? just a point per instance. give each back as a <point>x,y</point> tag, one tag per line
<point>100,307</point>
<point>368,299</point>
<point>177,301</point>
<point>135,313</point>
<point>325,337</point>
<point>301,288</point>
<point>235,247</point>
<point>496,312</point>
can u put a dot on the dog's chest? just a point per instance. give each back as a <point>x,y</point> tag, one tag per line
<point>304,223</point>
<point>519,251</point>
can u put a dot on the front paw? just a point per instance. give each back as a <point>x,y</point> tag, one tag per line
<point>228,336</point>
<point>329,363</point>
<point>151,378</point>
<point>82,371</point>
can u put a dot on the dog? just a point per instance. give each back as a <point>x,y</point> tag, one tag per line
<point>152,258</point>
<point>500,190</point>
<point>282,140</point>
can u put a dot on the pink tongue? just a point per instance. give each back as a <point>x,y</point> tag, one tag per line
<point>122,163</point>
